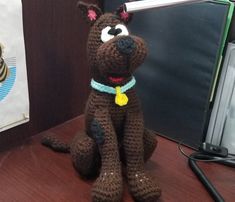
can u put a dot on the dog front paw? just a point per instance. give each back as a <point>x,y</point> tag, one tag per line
<point>143,188</point>
<point>108,187</point>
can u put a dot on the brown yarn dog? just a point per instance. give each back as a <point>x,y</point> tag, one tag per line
<point>115,133</point>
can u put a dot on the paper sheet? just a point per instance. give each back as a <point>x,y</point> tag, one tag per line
<point>14,99</point>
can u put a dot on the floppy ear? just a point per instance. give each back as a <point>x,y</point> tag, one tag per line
<point>90,12</point>
<point>123,15</point>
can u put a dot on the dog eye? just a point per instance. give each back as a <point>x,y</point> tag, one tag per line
<point>123,29</point>
<point>105,35</point>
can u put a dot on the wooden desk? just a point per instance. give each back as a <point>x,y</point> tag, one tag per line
<point>34,173</point>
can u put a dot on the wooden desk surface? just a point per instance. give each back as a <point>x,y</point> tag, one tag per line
<point>34,173</point>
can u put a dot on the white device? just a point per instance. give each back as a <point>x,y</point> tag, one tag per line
<point>221,130</point>
<point>149,4</point>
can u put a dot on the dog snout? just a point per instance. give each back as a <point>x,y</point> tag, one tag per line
<point>126,45</point>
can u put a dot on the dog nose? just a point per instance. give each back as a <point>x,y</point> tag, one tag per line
<point>126,45</point>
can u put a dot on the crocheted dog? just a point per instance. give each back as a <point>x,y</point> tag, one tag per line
<point>115,133</point>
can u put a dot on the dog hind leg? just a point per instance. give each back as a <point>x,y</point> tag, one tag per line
<point>150,143</point>
<point>85,157</point>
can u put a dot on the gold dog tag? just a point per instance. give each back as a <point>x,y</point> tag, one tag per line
<point>121,99</point>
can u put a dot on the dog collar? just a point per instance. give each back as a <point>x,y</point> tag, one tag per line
<point>121,99</point>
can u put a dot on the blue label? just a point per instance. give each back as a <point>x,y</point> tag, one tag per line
<point>8,84</point>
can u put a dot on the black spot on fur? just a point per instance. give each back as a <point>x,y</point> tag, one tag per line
<point>97,132</point>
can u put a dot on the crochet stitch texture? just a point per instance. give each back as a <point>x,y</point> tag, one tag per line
<point>115,136</point>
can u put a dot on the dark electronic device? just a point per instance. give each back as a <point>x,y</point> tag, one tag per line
<point>176,81</point>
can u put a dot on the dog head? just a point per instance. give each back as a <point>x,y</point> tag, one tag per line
<point>113,52</point>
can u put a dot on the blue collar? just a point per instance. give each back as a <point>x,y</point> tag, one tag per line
<point>111,90</point>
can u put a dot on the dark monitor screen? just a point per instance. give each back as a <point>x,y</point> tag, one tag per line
<point>175,82</point>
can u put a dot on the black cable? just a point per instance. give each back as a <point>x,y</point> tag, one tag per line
<point>205,157</point>
<point>204,180</point>
<point>208,158</point>
<point>230,163</point>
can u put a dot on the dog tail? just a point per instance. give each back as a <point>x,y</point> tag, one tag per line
<point>55,144</point>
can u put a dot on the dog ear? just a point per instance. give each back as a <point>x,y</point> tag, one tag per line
<point>90,12</point>
<point>123,15</point>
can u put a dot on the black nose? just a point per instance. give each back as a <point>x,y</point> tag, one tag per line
<point>126,45</point>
